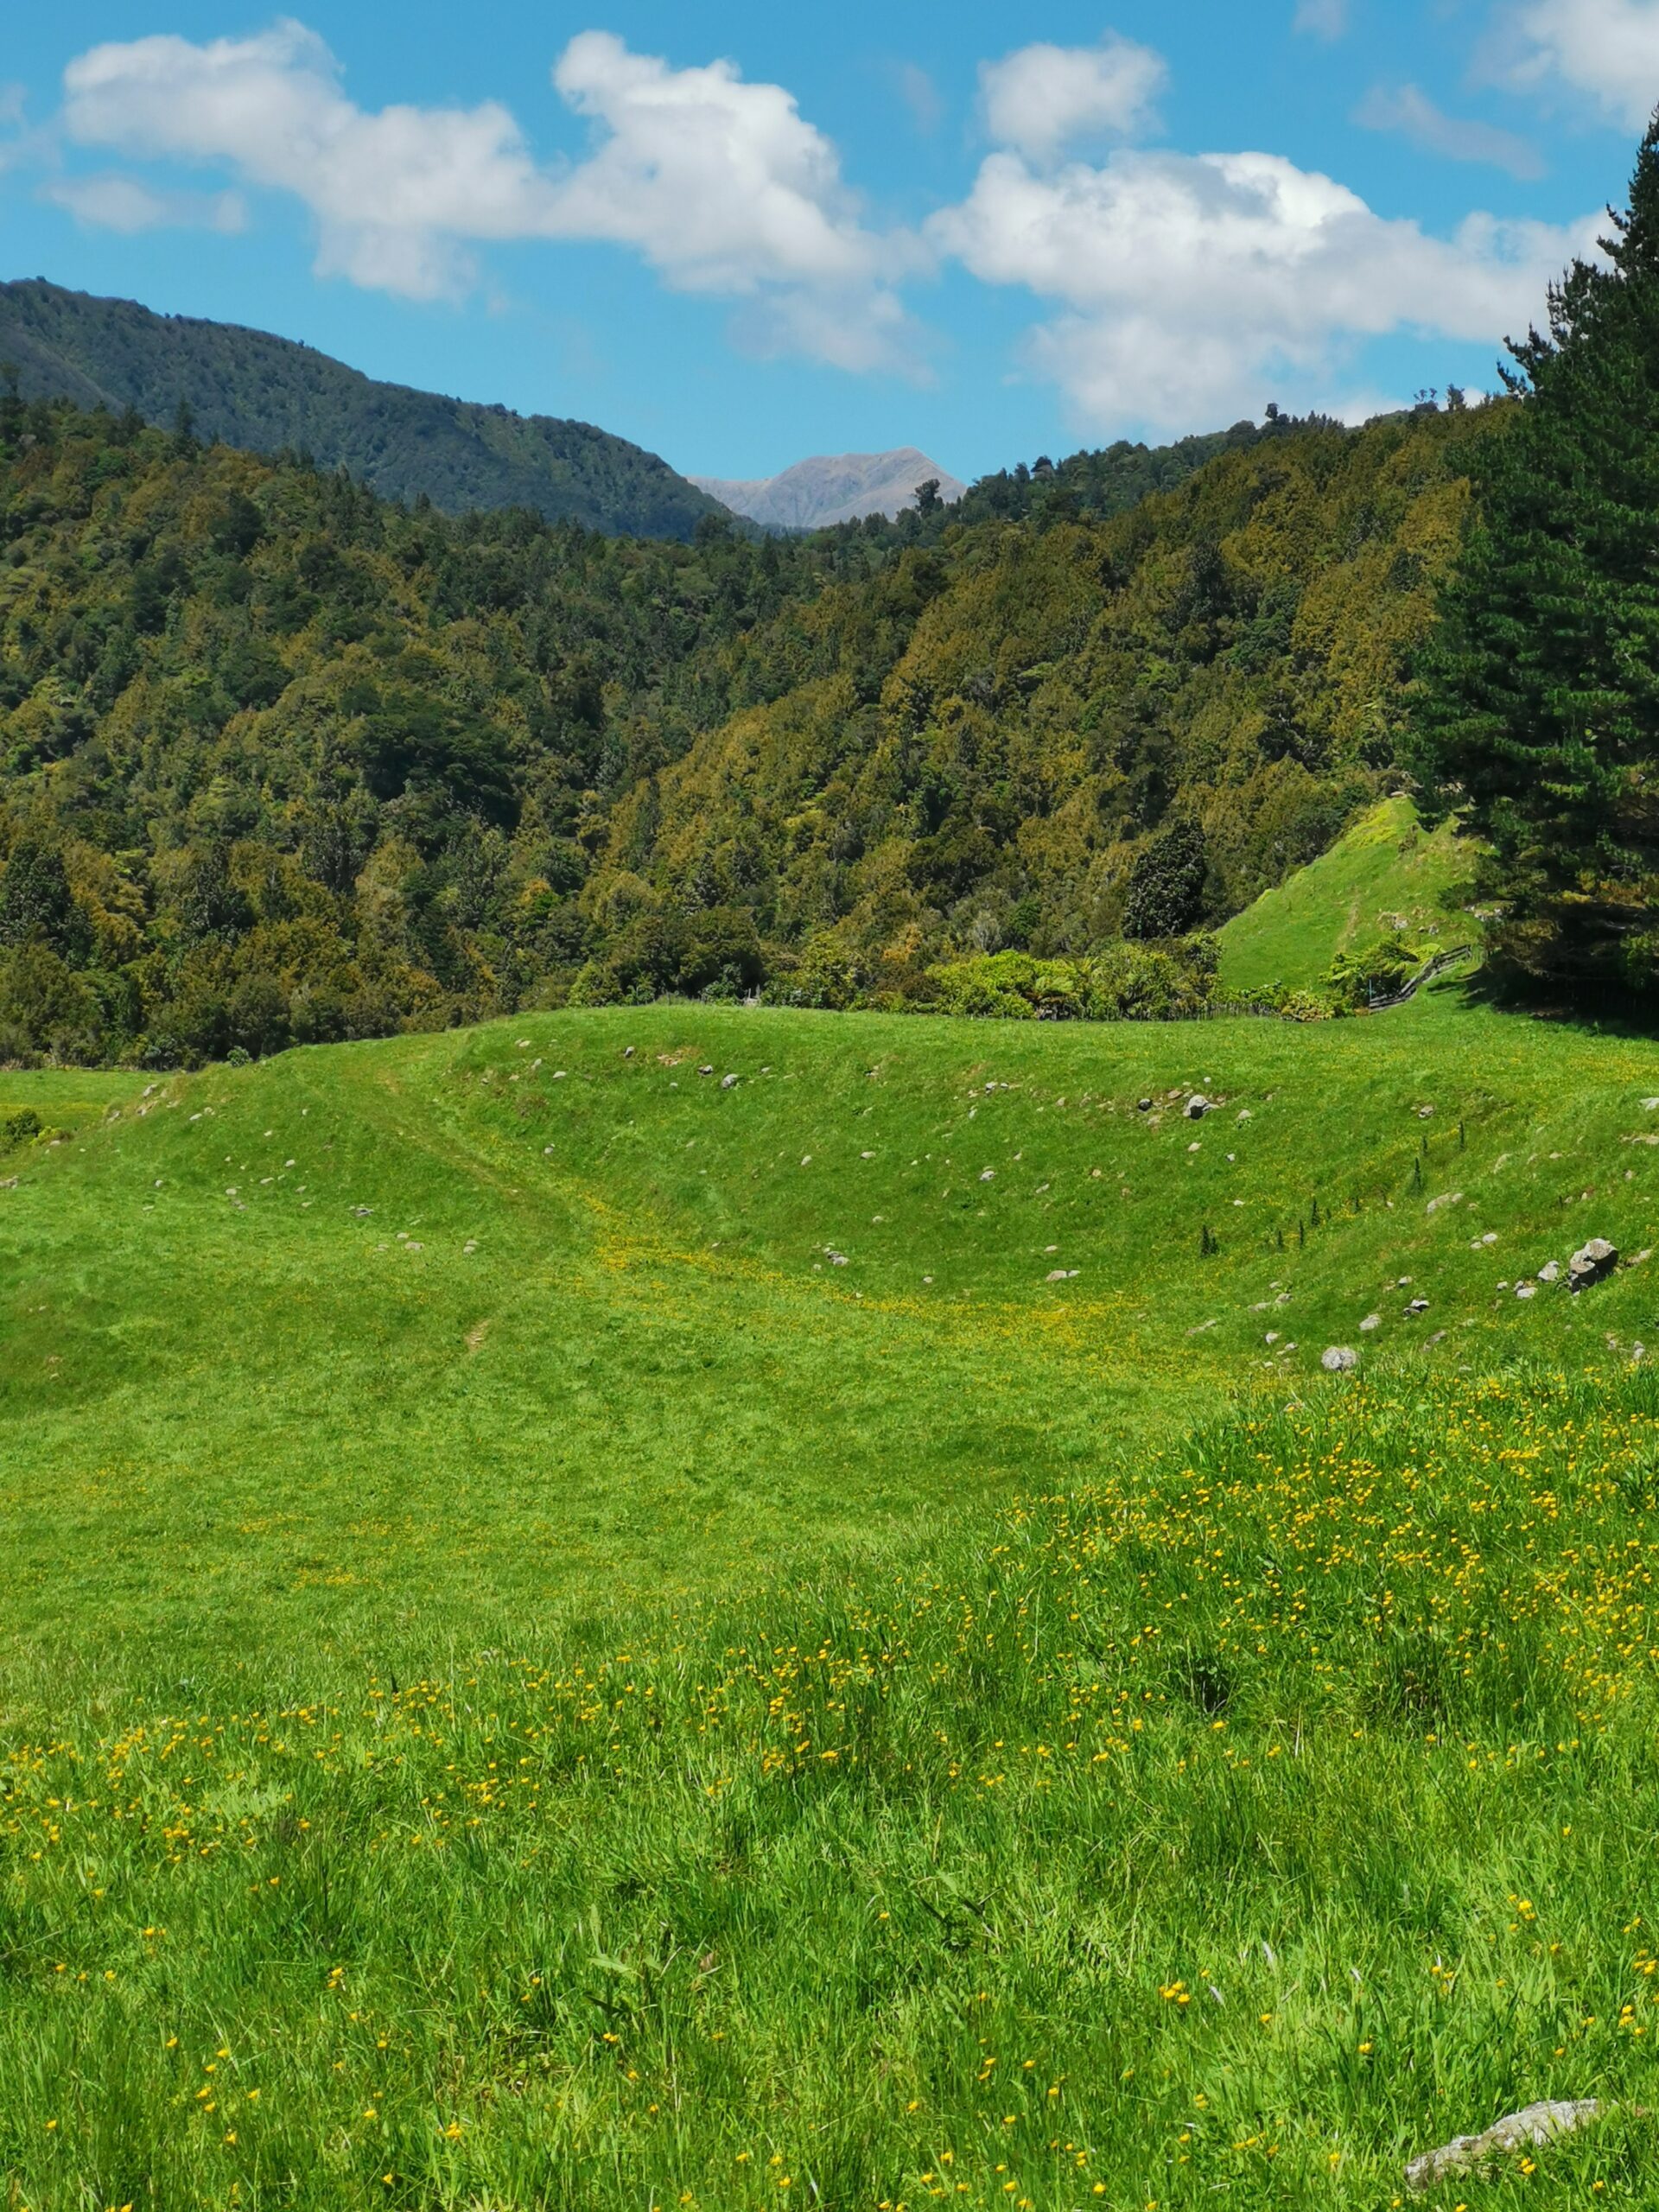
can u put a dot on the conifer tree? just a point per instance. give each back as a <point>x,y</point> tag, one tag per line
<point>1537,716</point>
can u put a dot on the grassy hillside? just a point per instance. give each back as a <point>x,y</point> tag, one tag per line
<point>264,394</point>
<point>1386,873</point>
<point>528,1682</point>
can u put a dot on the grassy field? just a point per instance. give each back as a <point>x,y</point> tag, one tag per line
<point>1386,873</point>
<point>580,1635</point>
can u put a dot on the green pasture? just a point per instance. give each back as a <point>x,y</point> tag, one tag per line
<point>1386,873</point>
<point>582,1634</point>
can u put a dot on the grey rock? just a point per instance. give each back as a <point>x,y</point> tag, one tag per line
<point>1592,1262</point>
<point>705,1071</point>
<point>1418,1306</point>
<point>1197,1106</point>
<point>1550,1272</point>
<point>728,1082</point>
<point>1372,1321</point>
<point>1526,1290</point>
<point>1528,2130</point>
<point>1143,1105</point>
<point>1337,1360</point>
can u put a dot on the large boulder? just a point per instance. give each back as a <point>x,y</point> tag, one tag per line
<point>1591,1263</point>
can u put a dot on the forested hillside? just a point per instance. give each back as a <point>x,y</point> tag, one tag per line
<point>1043,736</point>
<point>249,388</point>
<point>283,761</point>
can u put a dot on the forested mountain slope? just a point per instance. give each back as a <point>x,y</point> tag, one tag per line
<point>974,749</point>
<point>246,388</point>
<point>282,762</point>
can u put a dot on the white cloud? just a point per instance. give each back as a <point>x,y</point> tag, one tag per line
<point>127,205</point>
<point>1607,50</point>
<point>1189,285</point>
<point>721,185</point>
<point>1326,19</point>
<point>1044,99</point>
<point>1415,116</point>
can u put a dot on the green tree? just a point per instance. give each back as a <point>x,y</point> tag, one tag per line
<point>1537,717</point>
<point>1166,894</point>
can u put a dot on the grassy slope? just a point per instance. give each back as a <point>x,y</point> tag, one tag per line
<point>589,1719</point>
<point>1384,872</point>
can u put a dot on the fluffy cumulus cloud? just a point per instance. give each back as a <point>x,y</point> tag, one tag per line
<point>1189,286</point>
<point>1044,99</point>
<point>721,186</point>
<point>1605,50</point>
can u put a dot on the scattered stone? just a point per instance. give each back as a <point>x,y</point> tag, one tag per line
<point>1528,2130</point>
<point>1143,1105</point>
<point>1062,1275</point>
<point>1423,1113</point>
<point>1202,1327</point>
<point>627,1052</point>
<point>1650,1105</point>
<point>986,1174</point>
<point>728,1082</point>
<point>470,1246</point>
<point>1245,1114</point>
<point>1639,1258</point>
<point>1550,1272</point>
<point>1197,1106</point>
<point>1418,1306</point>
<point>864,1155</point>
<point>362,1212</point>
<point>705,1071</point>
<point>836,1258</point>
<point>1526,1290</point>
<point>1591,1263</point>
<point>524,1047</point>
<point>1372,1321</point>
<point>1445,1199</point>
<point>1272,1337</point>
<point>1337,1359</point>
<point>1195,1148</point>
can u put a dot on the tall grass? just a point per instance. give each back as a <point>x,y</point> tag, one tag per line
<point>1224,1829</point>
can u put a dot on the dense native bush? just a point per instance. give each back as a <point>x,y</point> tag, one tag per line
<point>284,763</point>
<point>1126,983</point>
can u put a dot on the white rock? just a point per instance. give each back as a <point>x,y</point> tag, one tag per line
<point>1550,1272</point>
<point>1529,2130</point>
<point>1337,1359</point>
<point>1372,1321</point>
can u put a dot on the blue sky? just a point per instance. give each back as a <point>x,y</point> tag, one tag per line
<point>740,234</point>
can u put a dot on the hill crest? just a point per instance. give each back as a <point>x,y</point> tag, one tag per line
<point>262,393</point>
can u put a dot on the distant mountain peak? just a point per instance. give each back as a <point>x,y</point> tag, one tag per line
<point>833,487</point>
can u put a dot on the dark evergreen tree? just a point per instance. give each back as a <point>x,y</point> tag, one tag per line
<point>36,905</point>
<point>1166,896</point>
<point>1537,717</point>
